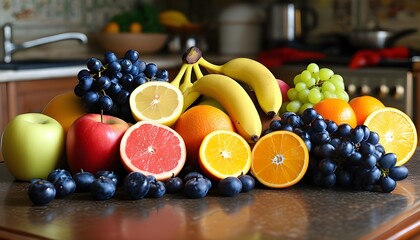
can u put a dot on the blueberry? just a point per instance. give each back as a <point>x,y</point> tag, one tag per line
<point>103,188</point>
<point>108,174</point>
<point>248,183</point>
<point>58,173</point>
<point>136,185</point>
<point>230,186</point>
<point>83,181</point>
<point>174,185</point>
<point>41,192</point>
<point>157,189</point>
<point>196,187</point>
<point>191,175</point>
<point>64,187</point>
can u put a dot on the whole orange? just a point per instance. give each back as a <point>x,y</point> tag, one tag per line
<point>65,108</point>
<point>336,110</point>
<point>194,124</point>
<point>111,27</point>
<point>363,106</point>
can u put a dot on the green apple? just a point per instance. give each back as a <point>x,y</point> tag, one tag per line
<point>33,145</point>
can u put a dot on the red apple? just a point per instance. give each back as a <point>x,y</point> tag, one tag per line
<point>284,87</point>
<point>93,143</point>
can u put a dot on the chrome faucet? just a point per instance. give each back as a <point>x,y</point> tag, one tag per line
<point>9,47</point>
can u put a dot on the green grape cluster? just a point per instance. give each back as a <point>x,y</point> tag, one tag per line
<point>313,85</point>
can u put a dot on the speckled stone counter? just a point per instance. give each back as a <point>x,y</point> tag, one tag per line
<point>298,212</point>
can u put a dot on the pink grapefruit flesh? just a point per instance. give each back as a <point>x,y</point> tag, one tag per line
<point>153,149</point>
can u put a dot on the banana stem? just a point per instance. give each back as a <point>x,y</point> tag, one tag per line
<point>177,79</point>
<point>213,68</point>
<point>197,71</point>
<point>187,79</point>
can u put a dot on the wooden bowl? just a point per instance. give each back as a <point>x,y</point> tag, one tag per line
<point>120,43</point>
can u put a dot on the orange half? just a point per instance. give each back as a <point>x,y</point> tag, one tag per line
<point>279,159</point>
<point>223,154</point>
<point>396,130</point>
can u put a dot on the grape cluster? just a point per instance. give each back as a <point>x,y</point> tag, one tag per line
<point>105,86</point>
<point>341,155</point>
<point>313,85</point>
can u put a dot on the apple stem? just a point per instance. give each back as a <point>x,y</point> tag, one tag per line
<point>102,115</point>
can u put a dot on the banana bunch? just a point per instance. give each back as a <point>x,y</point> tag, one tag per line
<point>223,83</point>
<point>173,18</point>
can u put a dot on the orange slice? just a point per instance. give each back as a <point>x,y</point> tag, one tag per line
<point>396,130</point>
<point>279,159</point>
<point>153,149</point>
<point>157,101</point>
<point>223,154</point>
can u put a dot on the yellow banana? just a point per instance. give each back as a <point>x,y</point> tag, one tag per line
<point>255,75</point>
<point>234,99</point>
<point>177,80</point>
<point>173,18</point>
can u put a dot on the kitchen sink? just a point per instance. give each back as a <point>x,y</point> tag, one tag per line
<point>41,63</point>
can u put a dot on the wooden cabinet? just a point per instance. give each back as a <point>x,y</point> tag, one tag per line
<point>30,96</point>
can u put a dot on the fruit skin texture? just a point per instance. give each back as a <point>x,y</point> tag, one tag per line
<point>93,145</point>
<point>33,145</point>
<point>234,99</point>
<point>284,87</point>
<point>336,110</point>
<point>363,106</point>
<point>195,123</point>
<point>41,192</point>
<point>255,75</point>
<point>65,108</point>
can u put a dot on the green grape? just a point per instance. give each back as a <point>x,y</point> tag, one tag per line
<point>328,86</point>
<point>305,75</point>
<point>292,94</point>
<point>297,79</point>
<point>312,67</point>
<point>303,95</point>
<point>338,81</point>
<point>283,108</point>
<point>293,106</point>
<point>329,95</point>
<point>300,86</point>
<point>325,74</point>
<point>310,82</point>
<point>304,107</point>
<point>314,96</point>
<point>341,94</point>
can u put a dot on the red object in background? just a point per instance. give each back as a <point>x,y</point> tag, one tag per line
<point>365,58</point>
<point>279,56</point>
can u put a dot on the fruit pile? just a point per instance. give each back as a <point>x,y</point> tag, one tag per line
<point>211,125</point>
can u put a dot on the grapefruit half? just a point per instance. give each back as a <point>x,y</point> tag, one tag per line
<point>153,149</point>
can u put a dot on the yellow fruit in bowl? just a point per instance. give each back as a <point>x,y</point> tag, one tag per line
<point>111,27</point>
<point>65,108</point>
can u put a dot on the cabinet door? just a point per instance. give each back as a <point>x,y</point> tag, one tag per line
<point>32,96</point>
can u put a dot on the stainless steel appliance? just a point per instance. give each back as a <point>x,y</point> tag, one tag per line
<point>394,86</point>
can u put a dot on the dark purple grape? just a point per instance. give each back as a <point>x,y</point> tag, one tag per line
<point>102,83</point>
<point>324,150</point>
<point>357,134</point>
<point>388,160</point>
<point>331,126</point>
<point>319,125</point>
<point>138,80</point>
<point>196,187</point>
<point>114,89</point>
<point>83,181</point>
<point>343,177</point>
<point>90,98</point>
<point>110,57</point>
<point>372,176</point>
<point>82,73</point>
<point>369,161</point>
<point>134,70</point>
<point>174,184</point>
<point>373,138</point>
<point>387,184</point>
<point>108,174</point>
<point>123,97</point>
<point>114,68</point>
<point>293,120</point>
<point>343,130</point>
<point>275,125</point>
<point>398,173</point>
<point>301,133</point>
<point>126,81</point>
<point>345,149</point>
<point>64,187</point>
<point>327,166</point>
<point>85,82</point>
<point>162,75</point>
<point>157,189</point>
<point>355,158</point>
<point>141,65</point>
<point>191,175</point>
<point>285,116</point>
<point>132,55</point>
<point>105,103</point>
<point>320,137</point>
<point>367,148</point>
<point>329,180</point>
<point>151,70</point>
<point>103,188</point>
<point>308,115</point>
<point>334,141</point>
<point>230,186</point>
<point>41,192</point>
<point>136,185</point>
<point>248,182</point>
<point>94,65</point>
<point>126,65</point>
<point>286,127</point>
<point>366,132</point>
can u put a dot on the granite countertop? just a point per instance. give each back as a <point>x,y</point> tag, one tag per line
<point>299,212</point>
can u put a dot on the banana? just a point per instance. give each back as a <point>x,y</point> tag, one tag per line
<point>173,18</point>
<point>177,80</point>
<point>234,99</point>
<point>255,75</point>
